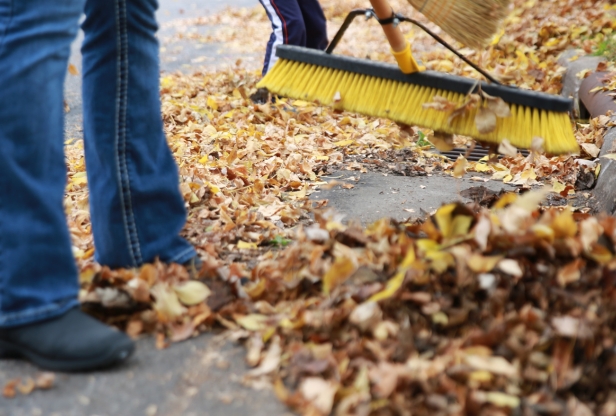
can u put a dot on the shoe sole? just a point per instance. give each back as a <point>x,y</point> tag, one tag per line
<point>113,356</point>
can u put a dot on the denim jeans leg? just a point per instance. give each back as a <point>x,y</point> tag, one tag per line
<point>38,277</point>
<point>136,207</point>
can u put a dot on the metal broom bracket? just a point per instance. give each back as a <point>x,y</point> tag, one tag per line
<point>395,19</point>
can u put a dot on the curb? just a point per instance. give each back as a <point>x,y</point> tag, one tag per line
<point>593,104</point>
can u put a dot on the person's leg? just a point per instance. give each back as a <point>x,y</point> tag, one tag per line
<point>316,24</point>
<point>136,207</point>
<point>287,27</point>
<point>38,277</point>
<point>39,314</point>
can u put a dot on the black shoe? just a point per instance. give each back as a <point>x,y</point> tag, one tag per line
<point>71,342</point>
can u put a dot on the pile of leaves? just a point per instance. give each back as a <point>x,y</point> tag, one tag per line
<point>501,311</point>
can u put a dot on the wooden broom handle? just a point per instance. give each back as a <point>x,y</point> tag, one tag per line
<point>383,10</point>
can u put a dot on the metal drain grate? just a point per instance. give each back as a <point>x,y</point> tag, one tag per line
<point>475,155</point>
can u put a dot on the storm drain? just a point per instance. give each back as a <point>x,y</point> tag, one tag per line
<point>476,154</point>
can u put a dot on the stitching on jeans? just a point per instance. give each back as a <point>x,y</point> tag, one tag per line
<point>2,39</point>
<point>8,24</point>
<point>121,126</point>
<point>182,254</point>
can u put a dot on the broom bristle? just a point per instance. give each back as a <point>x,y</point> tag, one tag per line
<point>470,22</point>
<point>402,102</point>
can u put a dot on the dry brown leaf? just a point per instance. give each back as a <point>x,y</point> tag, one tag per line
<point>320,393</point>
<point>8,390</point>
<point>442,141</point>
<point>485,120</point>
<point>45,380</point>
<point>270,362</point>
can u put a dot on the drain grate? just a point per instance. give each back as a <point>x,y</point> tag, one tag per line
<point>475,155</point>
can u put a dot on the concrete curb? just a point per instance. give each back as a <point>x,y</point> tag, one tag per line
<point>589,104</point>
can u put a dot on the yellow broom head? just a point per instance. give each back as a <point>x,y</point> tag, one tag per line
<point>470,22</point>
<point>381,90</point>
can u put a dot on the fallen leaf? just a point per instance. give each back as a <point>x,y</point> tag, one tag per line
<point>511,267</point>
<point>591,149</point>
<point>507,149</point>
<point>252,322</point>
<point>167,304</point>
<point>191,292</point>
<point>270,362</point>
<point>498,106</point>
<point>366,315</point>
<point>45,380</point>
<point>26,387</point>
<point>570,327</point>
<point>246,246</point>
<point>72,69</point>
<point>320,393</point>
<point>485,120</point>
<point>8,390</point>
<point>442,141</point>
<point>342,268</point>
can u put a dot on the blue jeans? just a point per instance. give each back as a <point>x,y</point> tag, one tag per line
<point>136,208</point>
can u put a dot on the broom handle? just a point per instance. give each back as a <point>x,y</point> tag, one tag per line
<point>383,10</point>
<point>451,48</point>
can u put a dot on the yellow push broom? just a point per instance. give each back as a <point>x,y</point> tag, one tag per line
<point>409,94</point>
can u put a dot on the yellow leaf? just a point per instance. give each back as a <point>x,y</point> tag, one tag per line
<point>505,200</point>
<point>213,189</point>
<point>483,264</point>
<point>459,167</point>
<point>167,305</point>
<point>192,292</point>
<point>301,194</point>
<point>543,231</point>
<point>395,282</point>
<point>440,260</point>
<point>444,220</point>
<point>564,225</point>
<point>72,69</point>
<point>497,37</point>
<point>461,225</point>
<point>558,187</point>
<point>482,167</point>
<point>341,270</point>
<point>480,376</point>
<point>500,175</point>
<point>245,245</point>
<point>252,322</point>
<point>497,399</point>
<point>442,141</point>
<point>440,318</point>
<point>211,102</point>
<point>343,143</point>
